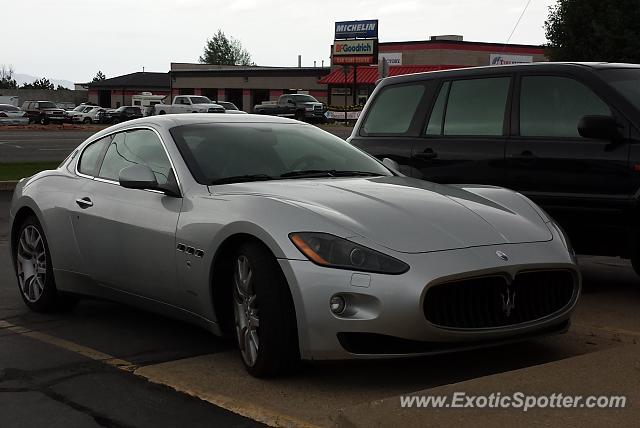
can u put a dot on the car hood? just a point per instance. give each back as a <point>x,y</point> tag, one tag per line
<point>409,215</point>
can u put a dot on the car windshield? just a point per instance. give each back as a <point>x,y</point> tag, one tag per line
<point>301,98</point>
<point>626,81</point>
<point>79,108</point>
<point>217,152</point>
<point>46,105</point>
<point>200,100</point>
<point>120,109</point>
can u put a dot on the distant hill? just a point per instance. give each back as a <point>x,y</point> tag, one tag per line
<point>26,78</point>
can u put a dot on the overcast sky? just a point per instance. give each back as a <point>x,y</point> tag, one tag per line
<point>72,39</point>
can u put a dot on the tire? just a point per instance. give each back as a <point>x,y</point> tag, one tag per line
<point>43,120</point>
<point>34,270</point>
<point>87,120</point>
<point>162,112</point>
<point>264,314</point>
<point>115,120</point>
<point>300,116</point>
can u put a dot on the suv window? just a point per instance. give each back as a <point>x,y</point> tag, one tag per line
<point>141,146</point>
<point>434,127</point>
<point>476,107</point>
<point>90,158</point>
<point>393,109</point>
<point>284,100</point>
<point>551,106</point>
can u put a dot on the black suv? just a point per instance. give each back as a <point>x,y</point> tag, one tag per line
<point>43,112</point>
<point>122,114</point>
<point>567,135</point>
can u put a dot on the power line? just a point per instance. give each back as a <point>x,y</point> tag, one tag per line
<point>517,23</point>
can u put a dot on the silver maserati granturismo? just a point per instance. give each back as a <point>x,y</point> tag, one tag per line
<point>290,239</point>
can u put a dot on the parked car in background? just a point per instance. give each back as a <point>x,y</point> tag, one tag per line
<point>43,112</point>
<point>310,248</point>
<point>189,104</point>
<point>230,107</point>
<point>88,115</point>
<point>299,106</point>
<point>122,114</point>
<point>12,115</point>
<point>66,105</point>
<point>567,136</point>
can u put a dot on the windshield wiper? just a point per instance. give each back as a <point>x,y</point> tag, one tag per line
<point>307,173</point>
<point>242,178</point>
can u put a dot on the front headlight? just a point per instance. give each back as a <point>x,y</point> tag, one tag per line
<point>331,251</point>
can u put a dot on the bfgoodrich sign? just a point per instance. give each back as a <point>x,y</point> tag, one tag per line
<point>355,52</point>
<point>357,29</point>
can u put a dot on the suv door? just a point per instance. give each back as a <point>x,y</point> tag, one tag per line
<point>465,136</point>
<point>127,236</point>
<point>393,122</point>
<point>584,183</point>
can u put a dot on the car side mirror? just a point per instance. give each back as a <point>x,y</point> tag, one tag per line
<point>599,127</point>
<point>391,164</point>
<point>138,177</point>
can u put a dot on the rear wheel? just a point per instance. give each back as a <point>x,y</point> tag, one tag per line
<point>264,314</point>
<point>34,270</point>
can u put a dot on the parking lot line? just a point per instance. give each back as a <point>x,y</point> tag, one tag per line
<point>70,346</point>
<point>257,413</point>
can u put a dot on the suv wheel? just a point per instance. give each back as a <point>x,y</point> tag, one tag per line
<point>43,120</point>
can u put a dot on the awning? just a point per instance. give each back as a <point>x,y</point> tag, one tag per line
<point>368,75</point>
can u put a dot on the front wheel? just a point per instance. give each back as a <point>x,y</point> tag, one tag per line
<point>264,313</point>
<point>34,270</point>
<point>43,120</point>
<point>87,120</point>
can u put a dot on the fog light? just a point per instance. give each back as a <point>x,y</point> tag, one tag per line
<point>337,304</point>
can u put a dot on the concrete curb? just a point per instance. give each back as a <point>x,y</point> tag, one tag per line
<point>8,186</point>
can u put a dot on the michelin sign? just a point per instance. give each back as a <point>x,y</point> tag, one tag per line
<point>357,29</point>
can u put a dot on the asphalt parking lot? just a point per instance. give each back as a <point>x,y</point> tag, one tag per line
<point>105,364</point>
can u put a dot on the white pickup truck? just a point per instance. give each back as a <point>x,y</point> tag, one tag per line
<point>189,104</point>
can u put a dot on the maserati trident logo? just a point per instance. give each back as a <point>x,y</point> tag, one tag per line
<point>502,255</point>
<point>508,301</point>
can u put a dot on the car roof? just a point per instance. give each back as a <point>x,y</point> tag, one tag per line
<point>167,121</point>
<point>497,69</point>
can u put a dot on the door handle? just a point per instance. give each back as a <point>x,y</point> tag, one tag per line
<point>84,202</point>
<point>526,156</point>
<point>426,154</point>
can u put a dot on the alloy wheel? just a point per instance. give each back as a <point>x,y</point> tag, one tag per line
<point>245,311</point>
<point>31,258</point>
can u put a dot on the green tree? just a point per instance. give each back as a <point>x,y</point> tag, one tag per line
<point>223,50</point>
<point>99,76</point>
<point>43,83</point>
<point>6,78</point>
<point>594,30</point>
<point>61,88</point>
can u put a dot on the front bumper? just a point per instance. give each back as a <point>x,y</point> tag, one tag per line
<point>391,306</point>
